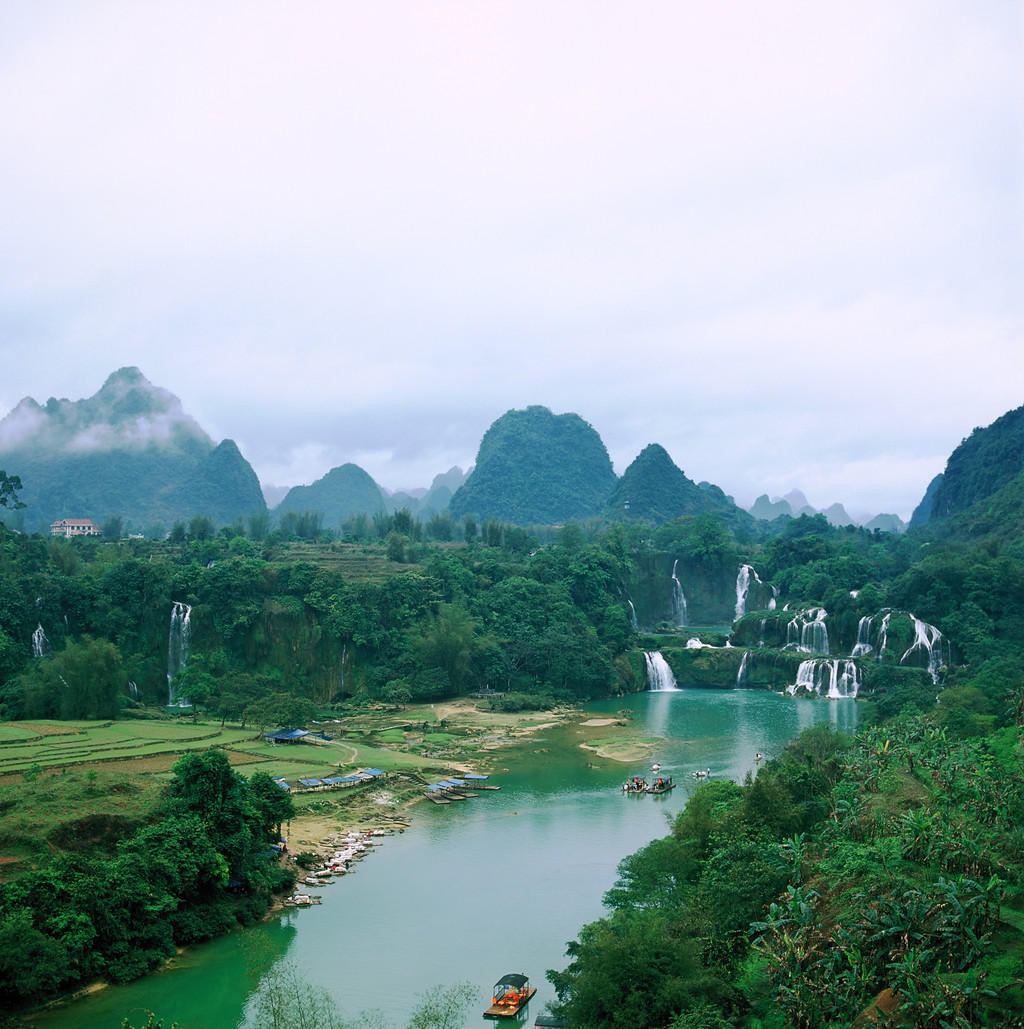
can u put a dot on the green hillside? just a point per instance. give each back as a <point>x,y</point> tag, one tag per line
<point>535,467</point>
<point>343,491</point>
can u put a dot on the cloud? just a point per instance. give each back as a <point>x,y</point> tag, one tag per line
<point>779,239</point>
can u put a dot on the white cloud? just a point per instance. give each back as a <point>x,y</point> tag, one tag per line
<point>782,240</point>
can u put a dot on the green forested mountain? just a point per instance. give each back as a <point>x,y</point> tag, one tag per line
<point>535,467</point>
<point>654,489</point>
<point>128,451</point>
<point>982,464</point>
<point>343,491</point>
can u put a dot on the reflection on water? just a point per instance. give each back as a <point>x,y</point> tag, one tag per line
<point>478,889</point>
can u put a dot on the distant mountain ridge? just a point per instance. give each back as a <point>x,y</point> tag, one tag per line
<point>129,450</point>
<point>794,504</point>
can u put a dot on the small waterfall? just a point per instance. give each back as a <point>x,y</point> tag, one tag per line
<point>775,597</point>
<point>835,678</point>
<point>806,632</point>
<point>741,675</point>
<point>883,634</point>
<point>632,614</point>
<point>659,676</point>
<point>863,645</point>
<point>927,640</point>
<point>760,631</point>
<point>742,589</point>
<point>678,599</point>
<point>40,644</point>
<point>177,645</point>
<point>133,689</point>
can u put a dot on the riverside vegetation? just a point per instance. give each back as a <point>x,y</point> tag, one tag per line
<point>878,874</point>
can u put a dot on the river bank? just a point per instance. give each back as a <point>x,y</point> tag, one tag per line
<point>390,804</point>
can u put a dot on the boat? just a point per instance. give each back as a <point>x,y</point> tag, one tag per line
<point>510,995</point>
<point>662,784</point>
<point>635,785</point>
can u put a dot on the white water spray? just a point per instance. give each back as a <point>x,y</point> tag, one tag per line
<point>659,676</point>
<point>178,642</point>
<point>678,599</point>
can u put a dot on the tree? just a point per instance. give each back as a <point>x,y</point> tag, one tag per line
<point>446,642</point>
<point>9,485</point>
<point>443,1007</point>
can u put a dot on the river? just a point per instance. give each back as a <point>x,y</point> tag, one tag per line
<point>477,889</point>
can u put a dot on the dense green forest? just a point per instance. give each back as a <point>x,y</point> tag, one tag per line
<point>845,869</point>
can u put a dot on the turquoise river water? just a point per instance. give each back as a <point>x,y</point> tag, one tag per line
<point>475,890</point>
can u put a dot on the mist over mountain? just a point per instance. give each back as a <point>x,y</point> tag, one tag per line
<point>535,467</point>
<point>129,450</point>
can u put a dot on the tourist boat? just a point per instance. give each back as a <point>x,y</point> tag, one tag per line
<point>511,993</point>
<point>662,784</point>
<point>635,785</point>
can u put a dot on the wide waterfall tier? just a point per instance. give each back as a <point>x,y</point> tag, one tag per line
<point>835,678</point>
<point>679,615</point>
<point>806,632</point>
<point>659,676</point>
<point>178,642</point>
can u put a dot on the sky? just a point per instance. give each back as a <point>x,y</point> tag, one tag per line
<point>784,240</point>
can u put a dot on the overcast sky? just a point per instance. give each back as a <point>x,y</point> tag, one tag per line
<point>783,240</point>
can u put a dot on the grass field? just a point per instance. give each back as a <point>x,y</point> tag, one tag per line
<point>76,785</point>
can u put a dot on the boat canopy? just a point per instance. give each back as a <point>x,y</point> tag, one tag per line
<point>515,979</point>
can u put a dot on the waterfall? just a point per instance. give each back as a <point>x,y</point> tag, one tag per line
<point>659,676</point>
<point>806,632</point>
<point>133,689</point>
<point>863,645</point>
<point>833,678</point>
<point>678,599</point>
<point>632,614</point>
<point>744,578</point>
<point>775,597</point>
<point>177,645</point>
<point>761,627</point>
<point>883,635</point>
<point>40,644</point>
<point>741,675</point>
<point>927,639</point>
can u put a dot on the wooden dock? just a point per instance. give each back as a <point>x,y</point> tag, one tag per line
<point>510,1010</point>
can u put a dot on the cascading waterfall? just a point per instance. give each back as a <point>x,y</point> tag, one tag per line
<point>40,644</point>
<point>835,678</point>
<point>863,644</point>
<point>678,599</point>
<point>741,675</point>
<point>177,646</point>
<point>883,634</point>
<point>806,632</point>
<point>659,676</point>
<point>632,614</point>
<point>775,597</point>
<point>927,639</point>
<point>743,578</point>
